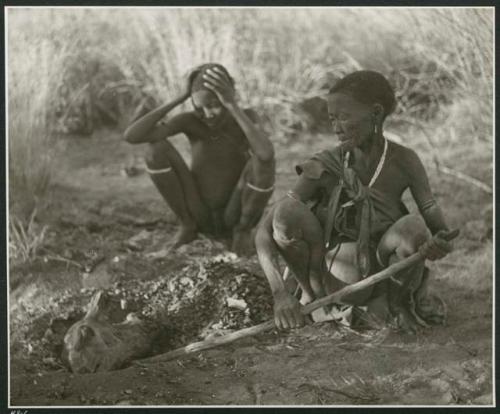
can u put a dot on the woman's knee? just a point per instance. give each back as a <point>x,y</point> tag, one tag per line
<point>403,238</point>
<point>290,217</point>
<point>414,233</point>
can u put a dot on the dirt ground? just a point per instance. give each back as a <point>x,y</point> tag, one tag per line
<point>97,208</point>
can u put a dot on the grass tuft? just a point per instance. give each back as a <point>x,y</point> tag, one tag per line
<point>25,240</point>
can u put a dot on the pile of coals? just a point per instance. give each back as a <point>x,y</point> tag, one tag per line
<point>205,298</point>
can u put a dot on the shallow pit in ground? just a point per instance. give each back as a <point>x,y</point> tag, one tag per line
<point>204,298</point>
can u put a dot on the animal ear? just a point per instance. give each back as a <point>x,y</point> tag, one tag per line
<point>85,334</point>
<point>97,304</point>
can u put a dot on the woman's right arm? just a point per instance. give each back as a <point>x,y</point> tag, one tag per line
<point>286,305</point>
<point>146,128</point>
<point>267,252</point>
<point>287,312</point>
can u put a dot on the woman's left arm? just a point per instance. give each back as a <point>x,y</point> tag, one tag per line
<point>421,192</point>
<point>437,247</point>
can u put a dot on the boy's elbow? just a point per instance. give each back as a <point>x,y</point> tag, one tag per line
<point>132,138</point>
<point>127,136</point>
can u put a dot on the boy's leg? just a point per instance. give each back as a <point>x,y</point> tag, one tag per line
<point>232,212</point>
<point>248,202</point>
<point>173,180</point>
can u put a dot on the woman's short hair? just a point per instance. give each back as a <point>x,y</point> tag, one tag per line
<point>368,87</point>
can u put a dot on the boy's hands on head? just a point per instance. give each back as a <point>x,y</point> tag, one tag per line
<point>188,81</point>
<point>217,81</point>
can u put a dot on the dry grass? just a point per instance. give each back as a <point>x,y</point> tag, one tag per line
<point>31,82</point>
<point>441,62</point>
<point>280,56</point>
<point>473,272</point>
<point>25,240</point>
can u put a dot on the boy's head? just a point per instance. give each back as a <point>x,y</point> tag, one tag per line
<point>205,102</point>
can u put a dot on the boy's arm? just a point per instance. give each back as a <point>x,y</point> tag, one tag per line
<point>147,129</point>
<point>261,145</point>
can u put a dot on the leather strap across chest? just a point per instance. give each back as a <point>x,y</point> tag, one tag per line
<point>363,197</point>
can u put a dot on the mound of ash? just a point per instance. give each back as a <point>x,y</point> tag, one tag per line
<point>136,318</point>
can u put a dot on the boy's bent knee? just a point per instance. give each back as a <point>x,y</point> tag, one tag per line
<point>157,155</point>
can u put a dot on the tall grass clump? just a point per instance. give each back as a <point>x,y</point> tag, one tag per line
<point>160,47</point>
<point>76,70</point>
<point>435,58</point>
<point>108,62</point>
<point>33,76</point>
<point>460,46</point>
<point>25,239</point>
<point>455,50</point>
<point>30,140</point>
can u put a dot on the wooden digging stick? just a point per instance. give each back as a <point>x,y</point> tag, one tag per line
<point>307,309</point>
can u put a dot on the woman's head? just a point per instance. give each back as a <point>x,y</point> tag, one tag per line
<point>358,105</point>
<point>205,102</point>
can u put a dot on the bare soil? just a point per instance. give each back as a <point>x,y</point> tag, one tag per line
<point>103,227</point>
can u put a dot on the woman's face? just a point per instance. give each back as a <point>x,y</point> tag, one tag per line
<point>208,107</point>
<point>352,121</point>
